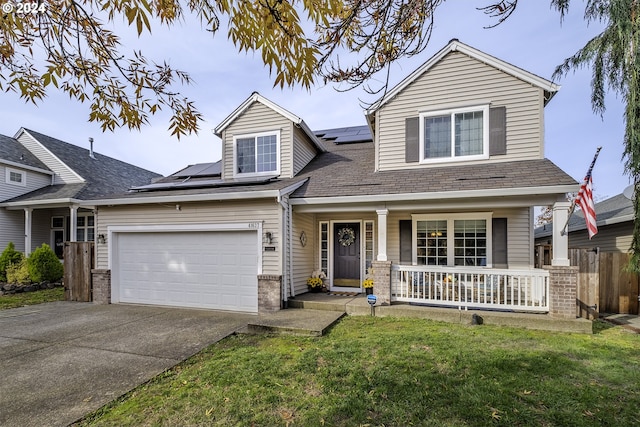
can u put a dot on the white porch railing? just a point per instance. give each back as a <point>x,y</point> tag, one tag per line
<point>471,287</point>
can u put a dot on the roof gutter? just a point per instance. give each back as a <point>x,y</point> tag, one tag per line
<point>23,166</point>
<point>44,203</point>
<point>403,197</point>
<point>245,195</point>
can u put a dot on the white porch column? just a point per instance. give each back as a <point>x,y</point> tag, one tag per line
<point>382,234</point>
<point>28,219</point>
<point>560,242</point>
<point>73,223</point>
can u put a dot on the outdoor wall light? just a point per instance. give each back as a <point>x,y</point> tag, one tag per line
<point>102,239</point>
<point>267,238</point>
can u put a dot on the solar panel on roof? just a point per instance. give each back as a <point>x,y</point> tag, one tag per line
<point>212,183</point>
<point>200,169</point>
<point>346,134</point>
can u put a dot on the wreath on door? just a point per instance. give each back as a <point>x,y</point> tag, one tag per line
<point>346,236</point>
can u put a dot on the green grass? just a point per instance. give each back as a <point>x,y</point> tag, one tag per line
<point>31,298</point>
<point>397,372</point>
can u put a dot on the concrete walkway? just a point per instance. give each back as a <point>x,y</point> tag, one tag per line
<point>60,361</point>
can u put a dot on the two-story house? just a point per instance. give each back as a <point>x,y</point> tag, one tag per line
<point>44,181</point>
<point>435,192</point>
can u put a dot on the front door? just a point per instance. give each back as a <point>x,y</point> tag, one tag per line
<point>346,255</point>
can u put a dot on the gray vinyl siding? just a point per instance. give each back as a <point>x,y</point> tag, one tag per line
<point>41,228</point>
<point>519,244</point>
<point>267,212</point>
<point>33,181</point>
<point>259,118</point>
<point>304,258</point>
<point>12,229</point>
<point>12,222</point>
<point>63,174</point>
<point>610,238</point>
<point>303,150</point>
<point>456,81</point>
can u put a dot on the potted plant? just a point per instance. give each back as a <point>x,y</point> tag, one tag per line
<point>367,284</point>
<point>315,282</point>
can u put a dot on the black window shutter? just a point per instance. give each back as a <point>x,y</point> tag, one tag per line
<point>406,256</point>
<point>497,131</point>
<point>411,134</point>
<point>499,240</point>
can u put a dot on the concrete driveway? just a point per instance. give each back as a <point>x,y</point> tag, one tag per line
<point>62,360</point>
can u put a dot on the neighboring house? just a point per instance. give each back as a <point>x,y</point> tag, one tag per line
<point>436,193</point>
<point>44,182</point>
<point>614,217</point>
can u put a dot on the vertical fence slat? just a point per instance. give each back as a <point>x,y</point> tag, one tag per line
<point>78,262</point>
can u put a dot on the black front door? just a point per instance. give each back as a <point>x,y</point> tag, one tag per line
<point>346,254</point>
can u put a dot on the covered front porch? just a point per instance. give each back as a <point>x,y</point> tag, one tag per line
<point>468,287</point>
<point>444,254</point>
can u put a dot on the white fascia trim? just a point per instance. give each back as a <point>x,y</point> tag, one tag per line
<point>52,155</point>
<point>454,46</point>
<point>44,203</point>
<point>186,198</point>
<point>502,192</point>
<point>610,221</point>
<point>293,187</point>
<point>21,166</point>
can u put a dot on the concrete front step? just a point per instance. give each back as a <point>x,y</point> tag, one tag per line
<point>294,321</point>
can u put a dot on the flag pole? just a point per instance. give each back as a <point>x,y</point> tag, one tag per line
<point>586,178</point>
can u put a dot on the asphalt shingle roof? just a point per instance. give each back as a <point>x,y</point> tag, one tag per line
<point>103,175</point>
<point>610,210</point>
<point>13,151</point>
<point>347,170</point>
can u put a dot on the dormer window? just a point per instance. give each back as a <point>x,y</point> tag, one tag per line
<point>15,177</point>
<point>456,134</point>
<point>257,154</point>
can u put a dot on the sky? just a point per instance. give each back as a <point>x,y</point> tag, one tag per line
<point>533,38</point>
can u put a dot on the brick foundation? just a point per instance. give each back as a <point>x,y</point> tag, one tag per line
<point>382,281</point>
<point>563,285</point>
<point>101,286</point>
<point>269,292</point>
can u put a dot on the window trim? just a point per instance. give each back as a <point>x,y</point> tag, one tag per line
<point>86,226</point>
<point>451,218</point>
<point>256,135</point>
<point>451,112</point>
<point>23,177</point>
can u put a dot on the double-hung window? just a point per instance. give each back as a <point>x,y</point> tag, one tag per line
<point>452,240</point>
<point>456,134</point>
<point>257,154</point>
<point>15,177</point>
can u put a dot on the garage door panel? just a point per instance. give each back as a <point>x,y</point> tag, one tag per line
<point>216,269</point>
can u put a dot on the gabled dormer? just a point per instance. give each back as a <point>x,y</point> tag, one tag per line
<point>262,139</point>
<point>38,144</point>
<point>461,106</point>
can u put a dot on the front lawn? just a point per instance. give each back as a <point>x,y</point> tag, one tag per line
<point>31,298</point>
<point>397,372</point>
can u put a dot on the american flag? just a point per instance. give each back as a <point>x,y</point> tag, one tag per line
<point>585,201</point>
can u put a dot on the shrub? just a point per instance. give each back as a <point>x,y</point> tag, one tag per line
<point>9,256</point>
<point>18,274</point>
<point>43,264</point>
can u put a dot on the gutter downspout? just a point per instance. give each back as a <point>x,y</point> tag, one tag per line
<point>286,250</point>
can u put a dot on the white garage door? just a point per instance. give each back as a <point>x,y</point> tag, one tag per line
<point>212,269</point>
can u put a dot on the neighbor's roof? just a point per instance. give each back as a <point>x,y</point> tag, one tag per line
<point>613,210</point>
<point>455,45</point>
<point>12,152</point>
<point>103,175</point>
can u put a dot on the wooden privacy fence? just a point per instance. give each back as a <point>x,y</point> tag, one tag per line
<point>78,262</point>
<point>603,285</point>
